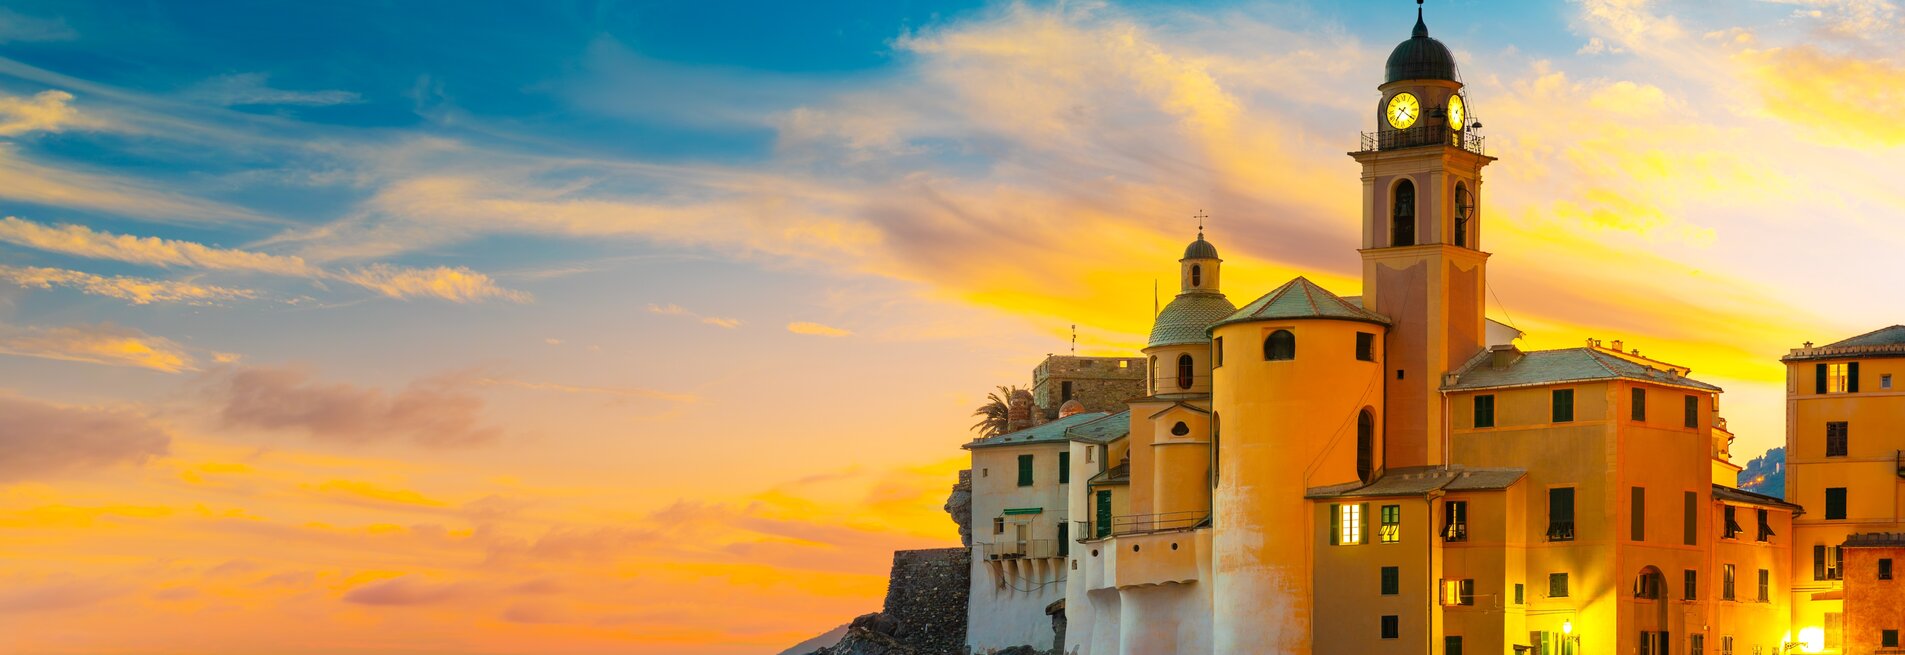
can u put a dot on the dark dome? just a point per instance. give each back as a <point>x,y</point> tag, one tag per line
<point>1200,249</point>
<point>1420,58</point>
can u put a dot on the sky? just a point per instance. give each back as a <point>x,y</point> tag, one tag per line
<point>570,327</point>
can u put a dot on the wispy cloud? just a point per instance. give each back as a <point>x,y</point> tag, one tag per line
<point>103,343</point>
<point>44,440</point>
<point>46,111</point>
<point>435,412</point>
<point>816,329</point>
<point>254,89</point>
<point>672,309</point>
<point>16,27</point>
<point>455,284</point>
<point>136,290</point>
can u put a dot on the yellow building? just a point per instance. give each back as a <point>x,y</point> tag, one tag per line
<point>1845,432</point>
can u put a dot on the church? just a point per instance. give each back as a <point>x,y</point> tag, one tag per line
<point>1388,472</point>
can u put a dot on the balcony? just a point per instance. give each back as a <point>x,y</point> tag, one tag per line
<point>1027,549</point>
<point>1141,524</point>
<point>1421,136</point>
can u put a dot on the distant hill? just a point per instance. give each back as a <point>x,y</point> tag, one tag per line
<point>1766,474</point>
<point>826,639</point>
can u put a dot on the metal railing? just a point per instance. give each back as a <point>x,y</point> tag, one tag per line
<point>1027,549</point>
<point>1141,524</point>
<point>1423,135</point>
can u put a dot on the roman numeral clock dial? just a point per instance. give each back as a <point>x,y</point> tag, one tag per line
<point>1403,111</point>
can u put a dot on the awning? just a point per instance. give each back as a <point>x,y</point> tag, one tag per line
<point>1024,510</point>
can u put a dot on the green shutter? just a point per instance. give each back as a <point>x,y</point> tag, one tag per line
<point>1025,470</point>
<point>1064,468</point>
<point>1692,513</point>
<point>1362,514</point>
<point>1639,514</point>
<point>1852,377</point>
<point>1819,378</point>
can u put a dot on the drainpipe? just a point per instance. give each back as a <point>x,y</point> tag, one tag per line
<point>1428,557</point>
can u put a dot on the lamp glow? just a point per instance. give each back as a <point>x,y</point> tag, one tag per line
<point>1567,627</point>
<point>1812,640</point>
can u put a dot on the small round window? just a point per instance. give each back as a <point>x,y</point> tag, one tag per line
<point>1180,429</point>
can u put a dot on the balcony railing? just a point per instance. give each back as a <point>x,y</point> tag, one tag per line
<point>1423,135</point>
<point>1027,549</point>
<point>1141,524</point>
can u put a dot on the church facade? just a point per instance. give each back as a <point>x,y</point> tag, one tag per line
<point>1388,472</point>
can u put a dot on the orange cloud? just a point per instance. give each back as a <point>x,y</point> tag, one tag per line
<point>103,343</point>
<point>816,329</point>
<point>672,309</point>
<point>44,440</point>
<point>137,290</point>
<point>430,412</point>
<point>1840,99</point>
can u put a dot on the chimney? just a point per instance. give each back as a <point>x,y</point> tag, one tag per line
<point>1502,357</point>
<point>1617,346</point>
<point>1018,412</point>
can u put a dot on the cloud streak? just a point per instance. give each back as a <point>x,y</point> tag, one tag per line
<point>45,441</point>
<point>103,343</point>
<point>672,309</point>
<point>135,290</point>
<point>435,413</point>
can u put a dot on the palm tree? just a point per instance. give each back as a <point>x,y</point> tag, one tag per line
<point>993,414</point>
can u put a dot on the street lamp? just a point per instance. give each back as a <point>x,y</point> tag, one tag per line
<point>1567,627</point>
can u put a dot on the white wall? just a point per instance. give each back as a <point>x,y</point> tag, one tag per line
<point>1007,606</point>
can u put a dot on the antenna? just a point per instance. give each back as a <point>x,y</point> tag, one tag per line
<point>1074,340</point>
<point>1154,299</point>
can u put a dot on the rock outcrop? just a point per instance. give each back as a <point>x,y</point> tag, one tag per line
<point>959,505</point>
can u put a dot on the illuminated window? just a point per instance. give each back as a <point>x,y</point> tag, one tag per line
<point>1458,592</point>
<point>1391,524</point>
<point>1827,562</point>
<point>1455,520</point>
<point>1836,378</point>
<point>1351,530</point>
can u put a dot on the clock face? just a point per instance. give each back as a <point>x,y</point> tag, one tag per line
<point>1458,113</point>
<point>1403,111</point>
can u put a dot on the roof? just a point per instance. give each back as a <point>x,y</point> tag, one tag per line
<point>1107,429</point>
<point>1743,497</point>
<point>1883,342</point>
<point>1187,319</point>
<point>1050,432</point>
<point>1539,367</point>
<point>1120,474</point>
<point>1875,540</point>
<point>1301,298</point>
<point>1420,480</point>
<point>1420,57</point>
<point>1200,249</point>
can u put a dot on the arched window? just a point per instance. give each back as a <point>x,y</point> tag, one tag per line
<point>1279,346</point>
<point>1216,422</point>
<point>1651,584</point>
<point>1155,374</point>
<point>1184,372</point>
<point>1180,429</point>
<point>1365,445</point>
<point>1197,276</point>
<point>1464,206</point>
<point>1402,229</point>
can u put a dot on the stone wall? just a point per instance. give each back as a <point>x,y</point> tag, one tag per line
<point>1101,384</point>
<point>926,596</point>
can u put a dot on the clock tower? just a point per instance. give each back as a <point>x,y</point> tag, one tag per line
<point>1423,266</point>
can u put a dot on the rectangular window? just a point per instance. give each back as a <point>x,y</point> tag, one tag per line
<point>1352,522</point>
<point>1391,524</point>
<point>1485,411</point>
<point>1885,568</point>
<point>1561,514</point>
<point>1064,391</point>
<point>1888,639</point>
<point>1467,593</point>
<point>1520,595</point>
<point>1639,405</point>
<point>1064,468</point>
<point>1836,438</point>
<point>1692,411</point>
<point>1765,585</point>
<point>1826,561</point>
<point>1690,581</point>
<point>1726,645</point>
<point>1391,626</point>
<point>1732,528</point>
<point>1765,525</point>
<point>1025,470</point>
<point>1452,646</point>
<point>1638,526</point>
<point>1696,645</point>
<point>1835,503</point>
<point>998,525</point>
<point>1458,592</point>
<point>1455,520</point>
<point>1837,378</point>
<point>1557,585</point>
<point>1726,582</point>
<point>1563,405</point>
<point>1365,346</point>
<point>1885,381</point>
<point>1391,580</point>
<point>1217,352</point>
<point>1690,513</point>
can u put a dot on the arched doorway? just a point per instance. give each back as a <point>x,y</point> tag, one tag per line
<point>1650,612</point>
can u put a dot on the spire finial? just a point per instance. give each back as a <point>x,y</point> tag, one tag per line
<point>1422,29</point>
<point>1200,216</point>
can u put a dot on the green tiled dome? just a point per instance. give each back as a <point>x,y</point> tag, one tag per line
<point>1185,320</point>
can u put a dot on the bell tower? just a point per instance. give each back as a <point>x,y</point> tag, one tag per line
<point>1422,261</point>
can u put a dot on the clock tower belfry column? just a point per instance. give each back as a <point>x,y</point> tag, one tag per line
<point>1423,266</point>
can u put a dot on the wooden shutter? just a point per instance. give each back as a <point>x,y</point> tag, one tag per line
<point>1639,514</point>
<point>1819,378</point>
<point>1064,467</point>
<point>1818,562</point>
<point>1336,524</point>
<point>1362,514</point>
<point>1691,532</point>
<point>1852,377</point>
<point>1025,470</point>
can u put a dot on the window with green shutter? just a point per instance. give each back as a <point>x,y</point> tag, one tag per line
<point>1391,580</point>
<point>1693,411</point>
<point>1025,470</point>
<point>1563,405</point>
<point>1557,585</point>
<point>1485,411</point>
<point>1639,404</point>
<point>1064,468</point>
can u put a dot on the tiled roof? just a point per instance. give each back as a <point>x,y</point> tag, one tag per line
<point>1187,318</point>
<point>1120,474</point>
<point>1566,365</point>
<point>1875,540</point>
<point>1883,342</point>
<point>1419,480</point>
<point>1051,432</point>
<point>1111,427</point>
<point>1743,497</point>
<point>1301,298</point>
